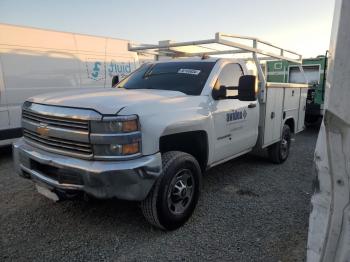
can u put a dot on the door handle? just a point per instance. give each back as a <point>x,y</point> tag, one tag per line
<point>252,105</point>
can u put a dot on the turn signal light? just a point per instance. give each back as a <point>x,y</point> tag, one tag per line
<point>130,149</point>
<point>130,126</point>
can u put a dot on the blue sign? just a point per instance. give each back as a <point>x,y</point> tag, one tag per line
<point>96,70</point>
<point>236,115</point>
<point>121,69</point>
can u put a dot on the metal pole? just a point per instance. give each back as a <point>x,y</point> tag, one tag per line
<point>302,71</point>
<point>261,76</point>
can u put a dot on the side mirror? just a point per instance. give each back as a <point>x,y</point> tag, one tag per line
<point>247,88</point>
<point>219,93</point>
<point>115,80</point>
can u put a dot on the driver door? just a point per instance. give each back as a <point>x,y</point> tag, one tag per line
<point>235,121</point>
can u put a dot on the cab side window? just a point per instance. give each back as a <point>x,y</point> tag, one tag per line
<point>229,75</point>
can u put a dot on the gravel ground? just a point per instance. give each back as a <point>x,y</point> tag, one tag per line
<point>250,210</point>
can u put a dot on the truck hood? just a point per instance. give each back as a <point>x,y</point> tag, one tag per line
<point>105,101</point>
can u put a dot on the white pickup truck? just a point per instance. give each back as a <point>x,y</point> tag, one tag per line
<point>151,137</point>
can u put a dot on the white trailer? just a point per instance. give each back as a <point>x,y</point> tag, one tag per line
<point>36,61</point>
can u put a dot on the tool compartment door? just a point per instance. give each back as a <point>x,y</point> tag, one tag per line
<point>291,104</point>
<point>302,108</point>
<point>273,115</point>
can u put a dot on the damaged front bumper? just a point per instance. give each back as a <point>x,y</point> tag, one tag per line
<point>129,179</point>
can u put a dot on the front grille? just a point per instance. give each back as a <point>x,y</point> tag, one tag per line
<point>59,144</point>
<point>56,121</point>
<point>59,137</point>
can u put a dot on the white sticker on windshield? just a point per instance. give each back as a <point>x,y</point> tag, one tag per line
<point>189,71</point>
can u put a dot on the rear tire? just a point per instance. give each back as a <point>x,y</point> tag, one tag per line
<point>279,152</point>
<point>313,121</point>
<point>175,194</point>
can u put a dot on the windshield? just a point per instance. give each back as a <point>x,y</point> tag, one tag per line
<point>186,77</point>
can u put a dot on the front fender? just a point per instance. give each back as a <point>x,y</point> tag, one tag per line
<point>160,119</point>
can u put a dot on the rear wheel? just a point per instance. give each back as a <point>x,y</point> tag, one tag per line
<point>174,196</point>
<point>312,121</point>
<point>279,152</point>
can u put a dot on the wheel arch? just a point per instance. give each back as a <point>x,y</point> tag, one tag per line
<point>291,123</point>
<point>194,143</point>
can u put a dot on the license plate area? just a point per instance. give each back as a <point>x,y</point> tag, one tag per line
<point>47,193</point>
<point>62,176</point>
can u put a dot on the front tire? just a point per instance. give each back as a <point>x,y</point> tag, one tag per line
<point>175,194</point>
<point>279,152</point>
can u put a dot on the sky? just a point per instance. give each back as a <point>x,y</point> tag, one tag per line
<point>303,26</point>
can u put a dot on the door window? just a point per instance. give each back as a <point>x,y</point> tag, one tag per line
<point>229,76</point>
<point>312,74</point>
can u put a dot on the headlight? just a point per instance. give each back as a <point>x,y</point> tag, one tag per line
<point>115,137</point>
<point>116,150</point>
<point>119,124</point>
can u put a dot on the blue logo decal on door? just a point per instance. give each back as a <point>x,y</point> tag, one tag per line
<point>236,115</point>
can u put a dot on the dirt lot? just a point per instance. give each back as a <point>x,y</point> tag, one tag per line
<point>250,210</point>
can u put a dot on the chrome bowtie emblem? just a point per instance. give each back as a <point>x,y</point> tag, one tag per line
<point>43,130</point>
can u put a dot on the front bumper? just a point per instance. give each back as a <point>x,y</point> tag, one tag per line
<point>129,180</point>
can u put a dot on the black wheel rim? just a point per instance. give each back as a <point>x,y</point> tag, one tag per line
<point>181,191</point>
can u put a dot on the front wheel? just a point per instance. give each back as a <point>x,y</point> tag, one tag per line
<point>174,196</point>
<point>279,152</point>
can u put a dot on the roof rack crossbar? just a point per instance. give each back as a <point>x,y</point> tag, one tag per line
<point>249,49</point>
<point>218,35</point>
<point>177,44</point>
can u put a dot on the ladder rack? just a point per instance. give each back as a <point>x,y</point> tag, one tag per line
<point>221,44</point>
<point>225,44</point>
